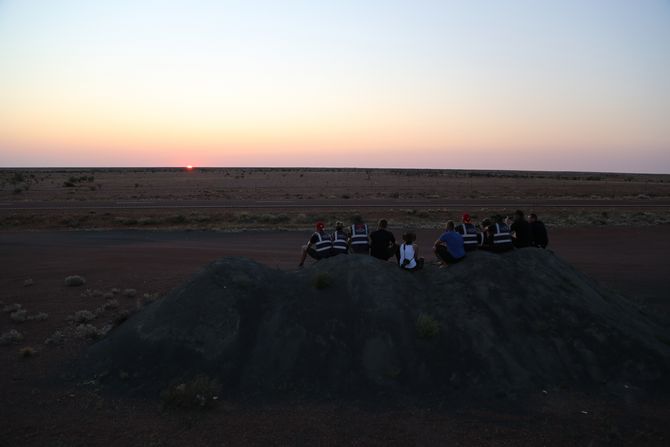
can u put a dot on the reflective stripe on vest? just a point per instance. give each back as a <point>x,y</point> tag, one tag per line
<point>359,238</point>
<point>502,236</point>
<point>324,242</point>
<point>340,241</point>
<point>469,233</point>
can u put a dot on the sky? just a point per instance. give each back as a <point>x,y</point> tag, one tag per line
<point>578,85</point>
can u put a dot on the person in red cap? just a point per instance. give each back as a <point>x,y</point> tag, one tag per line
<point>471,237</point>
<point>319,245</point>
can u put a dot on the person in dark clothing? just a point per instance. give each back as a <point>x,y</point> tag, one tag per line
<point>382,242</point>
<point>520,230</point>
<point>359,239</point>
<point>497,237</point>
<point>340,240</point>
<point>471,236</point>
<point>319,245</point>
<point>538,232</point>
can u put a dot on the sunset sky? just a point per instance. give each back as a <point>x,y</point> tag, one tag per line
<point>550,85</point>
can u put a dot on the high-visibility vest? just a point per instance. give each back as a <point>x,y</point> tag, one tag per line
<point>340,241</point>
<point>359,234</point>
<point>470,235</point>
<point>501,235</point>
<point>324,243</point>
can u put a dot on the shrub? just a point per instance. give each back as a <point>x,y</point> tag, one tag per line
<point>26,351</point>
<point>56,338</point>
<point>41,316</point>
<point>82,316</point>
<point>427,327</point>
<point>116,290</point>
<point>19,316</point>
<point>200,392</point>
<point>28,282</point>
<point>11,307</point>
<point>130,293</point>
<point>75,281</point>
<point>90,331</point>
<point>111,304</point>
<point>322,280</point>
<point>13,336</point>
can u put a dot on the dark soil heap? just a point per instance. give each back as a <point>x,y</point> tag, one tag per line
<point>356,326</point>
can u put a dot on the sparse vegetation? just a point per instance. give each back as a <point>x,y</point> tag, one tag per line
<point>82,316</point>
<point>19,316</point>
<point>8,308</point>
<point>57,338</point>
<point>322,280</point>
<point>75,281</point>
<point>12,336</point>
<point>426,326</point>
<point>28,282</point>
<point>200,392</point>
<point>91,332</point>
<point>26,352</point>
<point>41,316</point>
<point>130,293</point>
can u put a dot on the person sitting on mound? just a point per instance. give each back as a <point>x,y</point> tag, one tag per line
<point>471,236</point>
<point>409,253</point>
<point>359,239</point>
<point>449,248</point>
<point>382,242</point>
<point>538,232</point>
<point>339,238</point>
<point>319,245</point>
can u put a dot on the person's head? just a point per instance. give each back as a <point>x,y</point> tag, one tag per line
<point>408,237</point>
<point>449,226</point>
<point>532,217</point>
<point>486,223</point>
<point>466,218</point>
<point>518,215</point>
<point>499,218</point>
<point>383,224</point>
<point>320,226</point>
<point>339,226</point>
<point>357,219</point>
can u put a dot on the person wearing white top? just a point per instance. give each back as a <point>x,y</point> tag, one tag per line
<point>409,253</point>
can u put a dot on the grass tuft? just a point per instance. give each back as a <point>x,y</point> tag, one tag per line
<point>427,327</point>
<point>322,280</point>
<point>200,392</point>
<point>75,281</point>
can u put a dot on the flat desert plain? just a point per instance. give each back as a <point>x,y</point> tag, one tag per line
<point>135,234</point>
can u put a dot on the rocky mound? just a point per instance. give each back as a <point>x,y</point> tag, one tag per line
<point>354,325</point>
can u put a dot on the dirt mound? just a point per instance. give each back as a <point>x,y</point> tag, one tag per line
<point>354,325</point>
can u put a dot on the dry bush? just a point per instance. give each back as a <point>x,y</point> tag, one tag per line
<point>200,392</point>
<point>82,316</point>
<point>75,281</point>
<point>11,307</point>
<point>12,336</point>
<point>19,316</point>
<point>27,351</point>
<point>90,331</point>
<point>57,338</point>
<point>28,282</point>
<point>108,295</point>
<point>111,304</point>
<point>130,293</point>
<point>40,316</point>
<point>116,290</point>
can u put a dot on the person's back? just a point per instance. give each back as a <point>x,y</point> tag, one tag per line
<point>382,242</point>
<point>501,237</point>
<point>538,232</point>
<point>449,248</point>
<point>521,230</point>
<point>319,245</point>
<point>471,237</point>
<point>339,240</point>
<point>359,237</point>
<point>408,256</point>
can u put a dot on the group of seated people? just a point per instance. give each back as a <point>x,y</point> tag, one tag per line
<point>496,234</point>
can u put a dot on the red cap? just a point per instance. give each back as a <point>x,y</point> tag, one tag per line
<point>466,218</point>
<point>320,226</point>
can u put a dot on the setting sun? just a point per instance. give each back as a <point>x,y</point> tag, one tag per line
<point>189,167</point>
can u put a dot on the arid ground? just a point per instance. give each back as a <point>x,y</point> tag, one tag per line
<point>136,234</point>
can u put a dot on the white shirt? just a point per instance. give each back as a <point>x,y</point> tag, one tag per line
<point>407,252</point>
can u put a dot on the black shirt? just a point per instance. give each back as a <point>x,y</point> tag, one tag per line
<point>538,234</point>
<point>521,228</point>
<point>380,241</point>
